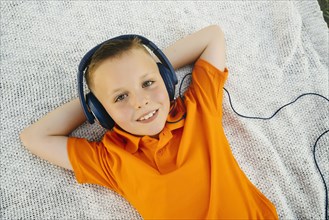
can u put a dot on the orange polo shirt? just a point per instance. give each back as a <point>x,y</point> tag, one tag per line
<point>189,173</point>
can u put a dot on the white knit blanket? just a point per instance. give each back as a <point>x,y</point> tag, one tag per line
<point>276,50</point>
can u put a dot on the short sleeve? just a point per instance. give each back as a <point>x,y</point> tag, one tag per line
<point>90,162</point>
<point>207,86</point>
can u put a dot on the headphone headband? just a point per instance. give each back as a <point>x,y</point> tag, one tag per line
<point>85,61</point>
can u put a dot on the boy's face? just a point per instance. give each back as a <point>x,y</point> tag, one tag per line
<point>132,91</point>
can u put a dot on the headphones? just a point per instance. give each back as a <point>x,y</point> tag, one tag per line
<point>92,107</point>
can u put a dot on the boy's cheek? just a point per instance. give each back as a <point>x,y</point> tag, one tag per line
<point>161,95</point>
<point>120,115</point>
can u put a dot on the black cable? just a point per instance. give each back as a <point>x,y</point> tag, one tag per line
<point>314,147</point>
<point>322,176</point>
<point>180,86</point>
<point>267,118</point>
<point>182,98</point>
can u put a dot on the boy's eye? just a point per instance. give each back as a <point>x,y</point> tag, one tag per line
<point>147,83</point>
<point>120,97</point>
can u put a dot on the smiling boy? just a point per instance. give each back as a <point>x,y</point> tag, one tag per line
<point>182,170</point>
<point>131,105</point>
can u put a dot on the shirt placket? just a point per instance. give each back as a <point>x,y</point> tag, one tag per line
<point>160,156</point>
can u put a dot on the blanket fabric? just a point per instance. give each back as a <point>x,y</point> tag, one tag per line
<point>276,50</point>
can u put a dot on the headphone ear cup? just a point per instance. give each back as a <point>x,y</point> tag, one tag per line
<point>168,80</point>
<point>99,111</point>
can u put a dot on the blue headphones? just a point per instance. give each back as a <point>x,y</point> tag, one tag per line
<point>93,109</point>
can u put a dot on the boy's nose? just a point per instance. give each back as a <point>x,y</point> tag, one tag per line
<point>140,106</point>
<point>141,101</point>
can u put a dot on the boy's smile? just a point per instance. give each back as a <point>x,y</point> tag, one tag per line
<point>132,91</point>
<point>148,117</point>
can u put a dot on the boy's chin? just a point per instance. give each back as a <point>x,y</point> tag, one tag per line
<point>154,133</point>
<point>150,130</point>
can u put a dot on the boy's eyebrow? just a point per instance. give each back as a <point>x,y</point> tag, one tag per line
<point>121,89</point>
<point>145,75</point>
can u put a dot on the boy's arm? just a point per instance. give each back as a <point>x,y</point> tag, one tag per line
<point>207,43</point>
<point>47,138</point>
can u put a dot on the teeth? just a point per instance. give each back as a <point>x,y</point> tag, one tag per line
<point>147,116</point>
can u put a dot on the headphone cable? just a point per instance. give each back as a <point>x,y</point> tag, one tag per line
<point>267,118</point>
<point>182,98</point>
<point>314,146</point>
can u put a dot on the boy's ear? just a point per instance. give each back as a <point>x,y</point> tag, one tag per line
<point>168,80</point>
<point>99,112</point>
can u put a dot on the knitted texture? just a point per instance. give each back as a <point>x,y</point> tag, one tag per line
<point>276,50</point>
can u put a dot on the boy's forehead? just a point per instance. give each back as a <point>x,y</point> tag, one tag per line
<point>132,56</point>
<point>126,68</point>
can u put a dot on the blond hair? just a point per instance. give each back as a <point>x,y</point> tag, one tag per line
<point>111,49</point>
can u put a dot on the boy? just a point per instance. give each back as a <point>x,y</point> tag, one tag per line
<point>165,170</point>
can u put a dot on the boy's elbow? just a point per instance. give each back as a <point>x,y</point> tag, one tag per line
<point>24,137</point>
<point>216,34</point>
<point>216,29</point>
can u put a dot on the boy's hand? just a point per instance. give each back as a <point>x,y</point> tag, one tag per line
<point>47,138</point>
<point>207,43</point>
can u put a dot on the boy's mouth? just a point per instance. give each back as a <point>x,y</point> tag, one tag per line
<point>148,117</point>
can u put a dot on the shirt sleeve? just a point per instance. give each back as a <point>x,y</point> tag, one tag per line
<point>90,162</point>
<point>207,86</point>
